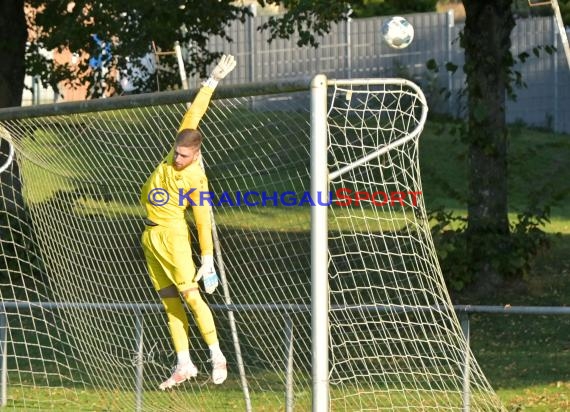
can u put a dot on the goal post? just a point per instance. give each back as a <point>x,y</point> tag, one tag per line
<point>6,159</point>
<point>319,246</point>
<point>378,294</point>
<point>72,249</point>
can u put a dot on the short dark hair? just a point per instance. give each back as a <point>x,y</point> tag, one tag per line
<point>189,138</point>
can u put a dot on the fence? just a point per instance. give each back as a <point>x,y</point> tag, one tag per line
<point>354,49</point>
<point>464,311</point>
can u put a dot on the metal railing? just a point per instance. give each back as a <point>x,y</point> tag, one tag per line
<point>138,309</point>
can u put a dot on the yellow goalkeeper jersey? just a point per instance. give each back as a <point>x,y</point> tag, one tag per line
<point>168,192</point>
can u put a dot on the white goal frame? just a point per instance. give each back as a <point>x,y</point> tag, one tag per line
<point>10,157</point>
<point>320,178</point>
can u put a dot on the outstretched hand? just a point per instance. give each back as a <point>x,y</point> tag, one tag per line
<point>226,64</point>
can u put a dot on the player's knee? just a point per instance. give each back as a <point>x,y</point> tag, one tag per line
<point>192,297</point>
<point>168,292</point>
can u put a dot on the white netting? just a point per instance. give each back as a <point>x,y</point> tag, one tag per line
<point>394,334</point>
<point>85,330</point>
<point>71,233</point>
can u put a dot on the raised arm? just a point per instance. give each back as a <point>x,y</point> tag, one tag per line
<point>202,213</point>
<point>197,109</point>
<point>200,104</point>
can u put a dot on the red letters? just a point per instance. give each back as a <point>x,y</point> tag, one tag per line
<point>339,194</point>
<point>346,197</point>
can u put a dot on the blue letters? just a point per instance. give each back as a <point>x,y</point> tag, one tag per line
<point>206,196</point>
<point>319,199</point>
<point>225,198</point>
<point>289,198</point>
<point>182,196</point>
<point>265,198</point>
<point>306,198</point>
<point>246,196</point>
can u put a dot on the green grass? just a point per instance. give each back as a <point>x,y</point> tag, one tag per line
<point>554,397</point>
<point>219,399</point>
<point>525,358</point>
<point>538,169</point>
<point>66,400</point>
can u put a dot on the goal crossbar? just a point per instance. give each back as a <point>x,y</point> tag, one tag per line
<point>151,99</point>
<point>413,134</point>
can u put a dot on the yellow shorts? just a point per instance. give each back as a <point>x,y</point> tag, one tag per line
<point>169,257</point>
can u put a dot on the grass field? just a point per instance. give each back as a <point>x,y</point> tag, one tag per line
<point>525,358</point>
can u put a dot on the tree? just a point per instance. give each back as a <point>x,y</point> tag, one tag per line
<point>488,65</point>
<point>122,30</point>
<point>565,11</point>
<point>13,38</point>
<point>312,18</point>
<point>522,8</point>
<point>490,80</point>
<point>370,8</point>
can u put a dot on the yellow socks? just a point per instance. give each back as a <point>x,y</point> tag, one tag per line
<point>203,317</point>
<point>177,322</point>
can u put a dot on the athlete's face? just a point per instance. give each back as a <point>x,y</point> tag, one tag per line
<point>183,156</point>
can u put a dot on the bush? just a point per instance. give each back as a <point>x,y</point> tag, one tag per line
<point>512,261</point>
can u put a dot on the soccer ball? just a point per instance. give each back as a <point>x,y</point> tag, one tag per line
<point>397,32</point>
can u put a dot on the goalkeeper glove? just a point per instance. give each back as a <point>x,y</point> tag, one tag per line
<point>207,272</point>
<point>226,64</point>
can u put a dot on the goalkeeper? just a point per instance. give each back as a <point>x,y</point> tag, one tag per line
<point>166,239</point>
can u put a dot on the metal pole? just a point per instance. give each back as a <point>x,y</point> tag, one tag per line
<point>251,41</point>
<point>466,395</point>
<point>10,156</point>
<point>555,75</point>
<point>319,246</point>
<point>562,29</point>
<point>35,90</point>
<point>450,23</point>
<point>4,355</point>
<point>289,392</point>
<point>181,68</point>
<point>348,45</point>
<point>231,318</point>
<point>139,334</point>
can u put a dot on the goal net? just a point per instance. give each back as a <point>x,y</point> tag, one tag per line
<point>82,329</point>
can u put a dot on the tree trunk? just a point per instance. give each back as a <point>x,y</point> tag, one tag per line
<point>488,61</point>
<point>13,37</point>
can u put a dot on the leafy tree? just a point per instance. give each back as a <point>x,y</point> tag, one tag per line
<point>121,30</point>
<point>565,11</point>
<point>488,70</point>
<point>312,18</point>
<point>13,38</point>
<point>523,9</point>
